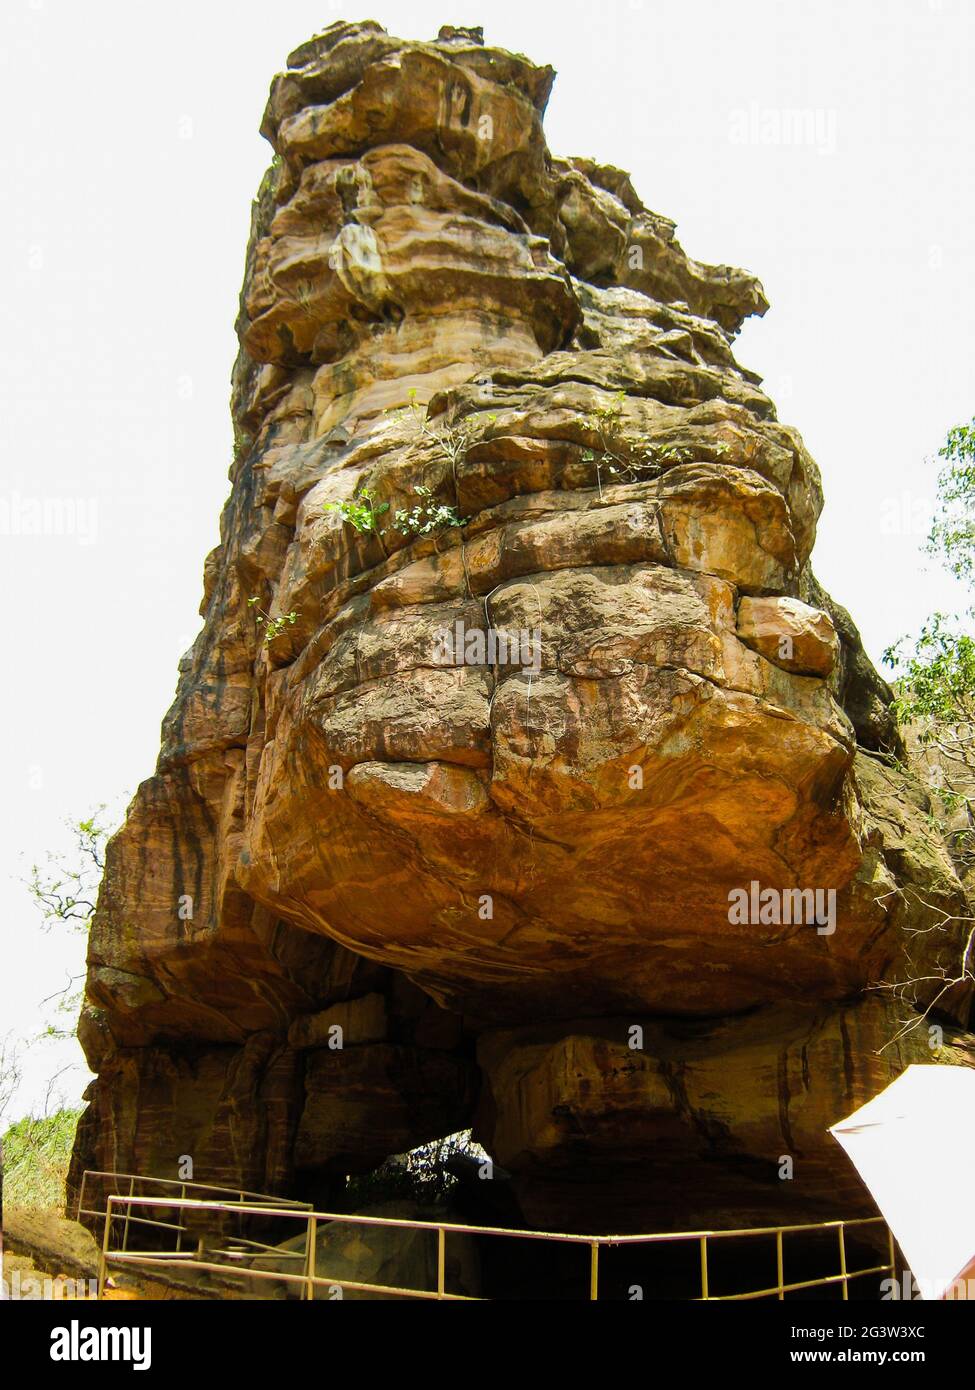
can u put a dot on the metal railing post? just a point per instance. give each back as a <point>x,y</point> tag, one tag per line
<point>779,1265</point>
<point>705,1294</point>
<point>441,1260</point>
<point>310,1261</point>
<point>102,1259</point>
<point>179,1233</point>
<point>594,1271</point>
<point>128,1214</point>
<point>846,1282</point>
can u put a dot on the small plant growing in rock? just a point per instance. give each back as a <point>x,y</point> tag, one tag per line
<point>360,512</point>
<point>304,295</point>
<point>453,441</point>
<point>272,626</point>
<point>648,461</point>
<point>425,516</point>
<point>243,443</point>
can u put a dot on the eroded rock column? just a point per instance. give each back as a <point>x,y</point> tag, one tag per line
<point>514,675</point>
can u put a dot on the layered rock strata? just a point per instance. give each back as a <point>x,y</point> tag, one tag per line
<point>513,674</point>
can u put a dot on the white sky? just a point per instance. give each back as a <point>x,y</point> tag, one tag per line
<point>129,158</point>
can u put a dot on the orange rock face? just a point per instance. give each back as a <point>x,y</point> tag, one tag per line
<point>514,686</point>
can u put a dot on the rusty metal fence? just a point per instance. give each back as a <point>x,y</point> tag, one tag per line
<point>236,1256</point>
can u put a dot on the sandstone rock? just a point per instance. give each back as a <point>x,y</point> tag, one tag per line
<point>439,319</point>
<point>398,1257</point>
<point>55,1243</point>
<point>357,1021</point>
<point>364,1104</point>
<point>230,1110</point>
<point>790,633</point>
<point>686,1123</point>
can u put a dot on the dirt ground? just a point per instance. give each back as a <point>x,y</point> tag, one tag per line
<point>47,1256</point>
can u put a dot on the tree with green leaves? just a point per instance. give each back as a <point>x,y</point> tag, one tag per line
<point>65,890</point>
<point>36,1150</point>
<point>935,685</point>
<point>935,673</point>
<point>10,1071</point>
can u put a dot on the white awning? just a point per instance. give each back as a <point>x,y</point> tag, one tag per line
<point>913,1146</point>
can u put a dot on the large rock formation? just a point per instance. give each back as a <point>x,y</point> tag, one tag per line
<point>483,390</point>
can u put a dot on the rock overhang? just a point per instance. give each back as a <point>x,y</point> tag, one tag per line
<point>435,307</point>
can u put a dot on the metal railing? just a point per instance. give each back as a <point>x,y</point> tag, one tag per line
<point>111,1181</point>
<point>229,1259</point>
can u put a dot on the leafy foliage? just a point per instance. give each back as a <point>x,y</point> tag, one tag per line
<point>936,699</point>
<point>935,671</point>
<point>952,536</point>
<point>426,516</point>
<point>243,443</point>
<point>65,890</point>
<point>450,440</point>
<point>36,1155</point>
<point>935,675</point>
<point>422,1175</point>
<point>937,678</point>
<point>272,626</point>
<point>360,512</point>
<point>614,455</point>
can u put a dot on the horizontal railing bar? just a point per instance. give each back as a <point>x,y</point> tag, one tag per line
<point>181,1259</point>
<point>746,1231</point>
<point>324,1281</point>
<point>202,1186</point>
<point>230,1209</point>
<point>791,1288</point>
<point>88,1211</point>
<point>139,1220</point>
<point>258,1245</point>
<point>270,1254</point>
<point>192,1204</point>
<point>156,1257</point>
<point>196,1204</point>
<point>136,1257</point>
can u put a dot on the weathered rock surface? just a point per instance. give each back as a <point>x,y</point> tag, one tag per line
<point>487,872</point>
<point>789,634</point>
<point>50,1242</point>
<point>702,1106</point>
<point>396,1257</point>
